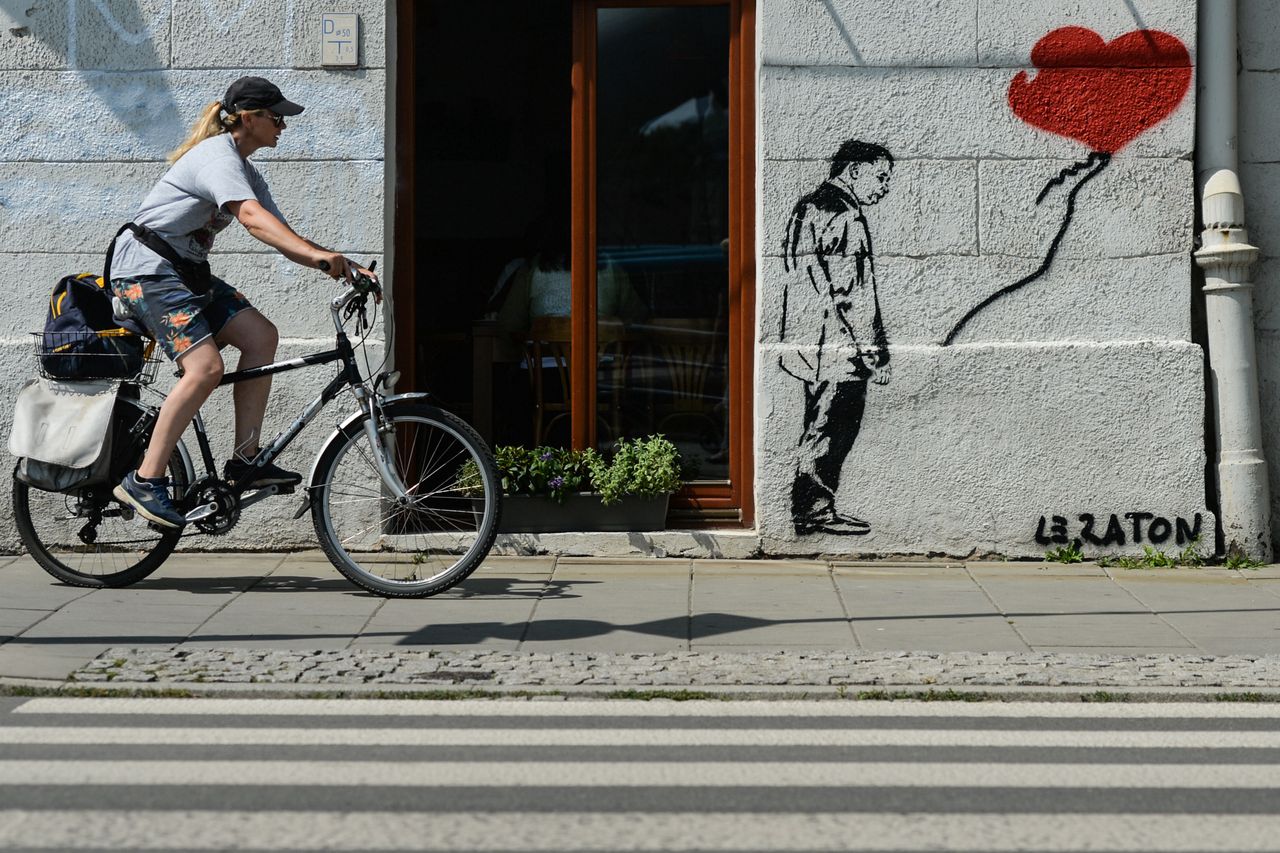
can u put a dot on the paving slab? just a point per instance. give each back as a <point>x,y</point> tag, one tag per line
<point>1271,572</point>
<point>1058,594</point>
<point>28,587</point>
<point>731,604</point>
<point>1252,646</point>
<point>15,621</point>
<point>619,604</point>
<point>30,660</point>
<point>936,608</point>
<point>759,568</point>
<point>1217,630</point>
<point>1098,630</point>
<point>1014,569</point>
<point>592,567</point>
<point>517,565</point>
<point>293,607</point>
<point>217,564</point>
<point>1118,650</point>
<point>481,612</point>
<point>640,624</point>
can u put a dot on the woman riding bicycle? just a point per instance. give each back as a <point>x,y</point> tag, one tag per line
<point>209,184</point>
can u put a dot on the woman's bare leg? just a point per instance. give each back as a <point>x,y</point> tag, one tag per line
<point>257,339</point>
<point>201,372</point>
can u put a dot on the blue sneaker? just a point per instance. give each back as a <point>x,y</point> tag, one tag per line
<point>150,499</point>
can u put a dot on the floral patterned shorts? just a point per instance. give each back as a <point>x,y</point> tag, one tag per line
<point>177,318</point>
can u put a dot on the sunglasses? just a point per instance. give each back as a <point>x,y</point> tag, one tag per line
<point>278,121</point>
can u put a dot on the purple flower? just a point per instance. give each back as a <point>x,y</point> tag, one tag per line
<point>556,482</point>
<point>545,456</point>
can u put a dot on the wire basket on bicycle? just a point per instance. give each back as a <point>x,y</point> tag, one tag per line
<point>110,354</point>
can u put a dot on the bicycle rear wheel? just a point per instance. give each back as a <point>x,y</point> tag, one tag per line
<point>85,538</point>
<point>444,530</point>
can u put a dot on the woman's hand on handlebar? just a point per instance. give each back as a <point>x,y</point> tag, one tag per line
<point>357,276</point>
<point>334,265</point>
<point>363,278</point>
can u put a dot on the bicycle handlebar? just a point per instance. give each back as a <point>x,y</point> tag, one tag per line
<point>361,284</point>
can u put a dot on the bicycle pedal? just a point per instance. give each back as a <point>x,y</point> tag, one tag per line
<point>285,490</point>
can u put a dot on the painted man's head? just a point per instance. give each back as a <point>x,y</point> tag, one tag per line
<point>864,169</point>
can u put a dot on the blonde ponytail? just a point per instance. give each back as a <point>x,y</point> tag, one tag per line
<point>211,123</point>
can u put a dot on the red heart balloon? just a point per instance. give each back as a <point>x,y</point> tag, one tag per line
<point>1103,94</point>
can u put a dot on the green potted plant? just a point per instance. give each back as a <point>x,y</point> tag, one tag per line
<point>550,489</point>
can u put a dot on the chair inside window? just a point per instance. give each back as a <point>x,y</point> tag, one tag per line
<point>549,350</point>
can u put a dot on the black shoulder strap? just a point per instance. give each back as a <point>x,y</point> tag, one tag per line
<point>146,237</point>
<point>111,253</point>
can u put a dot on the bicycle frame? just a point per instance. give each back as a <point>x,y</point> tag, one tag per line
<point>366,395</point>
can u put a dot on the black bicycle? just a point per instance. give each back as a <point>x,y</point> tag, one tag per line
<point>404,495</point>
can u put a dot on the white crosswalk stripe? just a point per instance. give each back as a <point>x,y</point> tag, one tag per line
<point>437,774</point>
<point>603,708</point>
<point>643,737</point>
<point>615,775</point>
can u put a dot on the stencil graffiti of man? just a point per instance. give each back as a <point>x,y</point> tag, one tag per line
<point>833,290</point>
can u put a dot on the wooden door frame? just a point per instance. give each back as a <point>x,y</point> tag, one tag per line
<point>403,147</point>
<point>718,501</point>
<point>729,503</point>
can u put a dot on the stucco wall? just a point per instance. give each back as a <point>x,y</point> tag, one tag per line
<point>1259,134</point>
<point>1077,395</point>
<point>95,93</point>
<point>1074,399</point>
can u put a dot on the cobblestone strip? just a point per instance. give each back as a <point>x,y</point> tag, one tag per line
<point>680,668</point>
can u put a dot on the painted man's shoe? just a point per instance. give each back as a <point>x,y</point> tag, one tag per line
<point>150,499</point>
<point>829,521</point>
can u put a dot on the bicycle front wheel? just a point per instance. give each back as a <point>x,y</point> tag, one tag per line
<point>436,537</point>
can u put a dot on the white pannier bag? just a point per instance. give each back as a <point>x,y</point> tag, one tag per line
<point>62,433</point>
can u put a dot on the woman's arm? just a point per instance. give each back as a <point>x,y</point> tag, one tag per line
<point>264,226</point>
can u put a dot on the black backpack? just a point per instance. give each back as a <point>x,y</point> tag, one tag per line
<point>82,338</point>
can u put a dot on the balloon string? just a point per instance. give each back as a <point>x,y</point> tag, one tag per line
<point>1098,160</point>
<point>1071,171</point>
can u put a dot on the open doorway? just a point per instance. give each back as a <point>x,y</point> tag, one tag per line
<point>574,216</point>
<point>491,179</point>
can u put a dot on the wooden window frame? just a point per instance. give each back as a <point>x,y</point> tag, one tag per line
<point>702,504</point>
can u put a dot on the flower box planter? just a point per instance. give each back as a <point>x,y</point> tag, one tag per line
<point>581,512</point>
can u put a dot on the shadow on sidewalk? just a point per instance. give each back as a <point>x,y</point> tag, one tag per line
<point>489,588</point>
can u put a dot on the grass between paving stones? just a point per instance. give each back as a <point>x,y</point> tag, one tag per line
<point>673,695</point>
<point>1150,558</point>
<point>927,696</point>
<point>1111,696</point>
<point>30,691</point>
<point>900,695</point>
<point>1246,697</point>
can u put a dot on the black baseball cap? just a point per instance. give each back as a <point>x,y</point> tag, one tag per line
<point>258,93</point>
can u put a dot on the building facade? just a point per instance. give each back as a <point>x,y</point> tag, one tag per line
<point>912,278</point>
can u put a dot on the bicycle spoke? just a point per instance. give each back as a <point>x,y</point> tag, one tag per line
<point>429,539</point>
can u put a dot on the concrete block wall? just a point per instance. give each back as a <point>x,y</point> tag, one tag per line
<point>1259,134</point>
<point>1078,397</point>
<point>97,92</point>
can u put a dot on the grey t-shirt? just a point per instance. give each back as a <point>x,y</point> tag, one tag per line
<point>186,206</point>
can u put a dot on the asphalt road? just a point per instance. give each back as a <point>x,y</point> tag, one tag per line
<point>310,774</point>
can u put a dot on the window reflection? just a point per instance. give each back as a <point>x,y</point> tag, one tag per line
<point>662,224</point>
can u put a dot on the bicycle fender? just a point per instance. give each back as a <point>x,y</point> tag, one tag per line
<point>336,435</point>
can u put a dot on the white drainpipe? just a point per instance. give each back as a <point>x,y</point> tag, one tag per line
<point>1228,260</point>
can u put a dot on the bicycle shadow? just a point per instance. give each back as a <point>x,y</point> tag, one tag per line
<point>488,588</point>
<point>680,629</point>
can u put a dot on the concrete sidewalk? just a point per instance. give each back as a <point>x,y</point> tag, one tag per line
<point>295,609</point>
